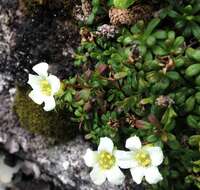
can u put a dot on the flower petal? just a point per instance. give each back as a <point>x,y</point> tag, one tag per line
<point>106,144</point>
<point>90,157</point>
<point>156,155</point>
<point>137,174</point>
<point>125,159</point>
<point>34,81</point>
<point>50,103</point>
<point>36,96</point>
<point>97,175</point>
<point>55,83</point>
<point>133,143</point>
<point>152,175</point>
<point>115,175</point>
<point>41,69</point>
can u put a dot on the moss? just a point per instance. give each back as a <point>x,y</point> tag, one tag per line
<point>54,124</point>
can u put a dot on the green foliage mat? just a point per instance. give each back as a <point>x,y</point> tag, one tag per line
<point>145,81</point>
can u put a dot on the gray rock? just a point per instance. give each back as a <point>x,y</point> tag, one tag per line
<point>62,164</point>
<point>11,146</point>
<point>30,168</point>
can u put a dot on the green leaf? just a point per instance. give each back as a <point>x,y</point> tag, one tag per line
<point>127,40</point>
<point>124,4</point>
<point>68,97</point>
<point>187,30</point>
<point>174,145</point>
<point>171,36</point>
<point>152,138</point>
<point>172,142</point>
<point>178,42</point>
<point>189,104</point>
<point>196,8</point>
<point>157,50</point>
<point>151,26</point>
<point>91,19</point>
<point>142,50</point>
<point>150,41</point>
<point>161,34</point>
<point>116,57</point>
<point>194,140</point>
<point>192,121</point>
<point>77,113</point>
<point>84,94</point>
<point>120,75</point>
<point>95,2</point>
<point>196,30</point>
<point>197,97</point>
<point>188,9</point>
<point>193,70</point>
<point>180,24</point>
<point>193,54</point>
<point>173,75</point>
<point>172,13</point>
<point>168,117</point>
<point>110,3</point>
<point>179,62</point>
<point>135,29</point>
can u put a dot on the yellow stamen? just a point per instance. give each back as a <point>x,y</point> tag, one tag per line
<point>143,158</point>
<point>45,87</point>
<point>106,160</point>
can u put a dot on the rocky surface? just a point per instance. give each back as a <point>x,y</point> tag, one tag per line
<point>25,40</point>
<point>61,165</point>
<point>44,166</point>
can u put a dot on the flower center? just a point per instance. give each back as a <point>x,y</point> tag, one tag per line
<point>45,87</point>
<point>106,160</point>
<point>143,158</point>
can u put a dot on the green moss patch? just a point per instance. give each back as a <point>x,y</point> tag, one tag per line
<point>54,124</point>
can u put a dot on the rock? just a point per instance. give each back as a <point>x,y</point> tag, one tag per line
<point>12,146</point>
<point>30,168</point>
<point>7,172</point>
<point>61,164</point>
<point>2,187</point>
<point>45,37</point>
<point>10,160</point>
<point>32,185</point>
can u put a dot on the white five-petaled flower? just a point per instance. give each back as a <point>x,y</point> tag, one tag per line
<point>44,86</point>
<point>104,163</point>
<point>142,161</point>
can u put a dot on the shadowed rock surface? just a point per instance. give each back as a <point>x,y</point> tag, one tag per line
<point>27,40</point>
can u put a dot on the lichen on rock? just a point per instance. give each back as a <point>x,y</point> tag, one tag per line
<point>54,124</point>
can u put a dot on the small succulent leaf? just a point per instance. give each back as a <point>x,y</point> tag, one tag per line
<point>196,30</point>
<point>151,26</point>
<point>168,117</point>
<point>124,4</point>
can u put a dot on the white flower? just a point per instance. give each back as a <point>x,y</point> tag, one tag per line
<point>44,86</point>
<point>142,161</point>
<point>104,163</point>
